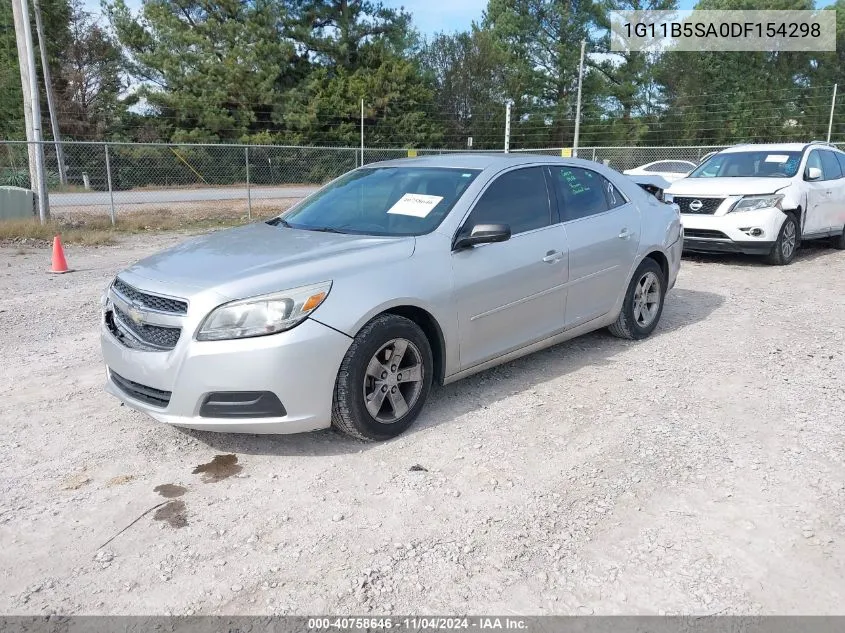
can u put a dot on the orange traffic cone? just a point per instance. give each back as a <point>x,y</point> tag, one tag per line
<point>59,262</point>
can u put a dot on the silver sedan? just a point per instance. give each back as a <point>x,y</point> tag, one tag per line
<point>345,309</point>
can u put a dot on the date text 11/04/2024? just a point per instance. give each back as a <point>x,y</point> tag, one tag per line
<point>418,623</point>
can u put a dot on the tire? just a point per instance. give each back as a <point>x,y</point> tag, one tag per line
<point>637,324</point>
<point>368,379</point>
<point>838,242</point>
<point>783,252</point>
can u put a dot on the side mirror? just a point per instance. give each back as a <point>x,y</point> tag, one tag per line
<point>483,234</point>
<point>813,173</point>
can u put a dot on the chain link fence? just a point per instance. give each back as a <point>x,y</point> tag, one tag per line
<point>118,178</point>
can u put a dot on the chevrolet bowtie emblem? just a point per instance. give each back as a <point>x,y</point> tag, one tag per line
<point>135,314</point>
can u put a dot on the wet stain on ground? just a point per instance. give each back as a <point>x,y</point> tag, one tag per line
<point>169,491</point>
<point>220,468</point>
<point>173,513</point>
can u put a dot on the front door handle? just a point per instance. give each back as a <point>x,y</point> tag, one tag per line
<point>552,257</point>
<point>624,234</point>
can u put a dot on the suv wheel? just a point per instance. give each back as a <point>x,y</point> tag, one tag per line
<point>643,302</point>
<point>384,379</point>
<point>786,245</point>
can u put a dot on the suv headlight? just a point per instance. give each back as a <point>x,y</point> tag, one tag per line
<point>754,203</point>
<point>262,315</point>
<point>668,198</point>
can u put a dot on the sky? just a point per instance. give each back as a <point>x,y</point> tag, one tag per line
<point>433,16</point>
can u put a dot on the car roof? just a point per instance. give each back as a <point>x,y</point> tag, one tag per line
<point>774,147</point>
<point>480,161</point>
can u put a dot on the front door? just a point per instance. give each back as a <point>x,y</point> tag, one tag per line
<point>511,294</point>
<point>603,232</point>
<point>818,197</point>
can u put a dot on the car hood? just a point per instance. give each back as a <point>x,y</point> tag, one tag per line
<point>261,258</point>
<point>721,187</point>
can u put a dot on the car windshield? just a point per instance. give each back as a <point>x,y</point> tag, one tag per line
<point>757,164</point>
<point>382,201</point>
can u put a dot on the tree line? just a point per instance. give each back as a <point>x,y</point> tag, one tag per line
<point>295,72</point>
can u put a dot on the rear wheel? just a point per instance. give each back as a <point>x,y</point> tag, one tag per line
<point>786,245</point>
<point>643,302</point>
<point>384,379</point>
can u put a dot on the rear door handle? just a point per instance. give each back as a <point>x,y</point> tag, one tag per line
<point>624,234</point>
<point>552,257</point>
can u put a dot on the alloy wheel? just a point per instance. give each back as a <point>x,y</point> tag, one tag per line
<point>393,380</point>
<point>787,245</point>
<point>646,299</point>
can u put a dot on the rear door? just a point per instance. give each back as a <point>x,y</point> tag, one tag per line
<point>839,200</point>
<point>511,294</point>
<point>603,229</point>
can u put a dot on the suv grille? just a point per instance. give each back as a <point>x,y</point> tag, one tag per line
<point>151,302</point>
<point>154,336</point>
<point>708,205</point>
<point>705,233</point>
<point>154,397</point>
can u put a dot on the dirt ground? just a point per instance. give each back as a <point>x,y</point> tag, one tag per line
<point>700,471</point>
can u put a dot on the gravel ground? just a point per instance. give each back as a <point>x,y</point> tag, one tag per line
<point>700,471</point>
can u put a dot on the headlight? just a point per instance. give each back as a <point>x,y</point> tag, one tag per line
<point>262,315</point>
<point>753,203</point>
<point>668,197</point>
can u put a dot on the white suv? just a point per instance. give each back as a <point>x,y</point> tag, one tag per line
<point>763,199</point>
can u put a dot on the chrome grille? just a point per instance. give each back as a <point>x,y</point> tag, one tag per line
<point>708,205</point>
<point>151,336</point>
<point>150,301</point>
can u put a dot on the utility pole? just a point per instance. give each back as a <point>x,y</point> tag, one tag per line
<point>832,106</point>
<point>29,83</point>
<point>362,132</point>
<point>25,91</point>
<point>507,127</point>
<point>578,102</point>
<point>48,88</point>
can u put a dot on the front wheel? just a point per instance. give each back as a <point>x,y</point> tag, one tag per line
<point>643,302</point>
<point>786,245</point>
<point>384,379</point>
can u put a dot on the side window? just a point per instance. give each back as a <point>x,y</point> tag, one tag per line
<point>813,160</point>
<point>517,198</point>
<point>581,192</point>
<point>615,198</point>
<point>661,166</point>
<point>830,166</point>
<point>841,158</point>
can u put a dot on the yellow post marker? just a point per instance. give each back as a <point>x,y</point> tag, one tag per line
<point>566,152</point>
<point>412,153</point>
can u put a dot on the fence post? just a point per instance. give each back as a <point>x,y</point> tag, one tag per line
<point>111,189</point>
<point>832,107</point>
<point>248,191</point>
<point>507,127</point>
<point>594,154</point>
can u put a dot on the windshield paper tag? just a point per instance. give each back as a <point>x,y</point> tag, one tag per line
<point>417,205</point>
<point>777,158</point>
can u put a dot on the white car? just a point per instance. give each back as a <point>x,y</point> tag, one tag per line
<point>763,199</point>
<point>670,170</point>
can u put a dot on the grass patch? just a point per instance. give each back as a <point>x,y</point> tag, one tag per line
<point>96,230</point>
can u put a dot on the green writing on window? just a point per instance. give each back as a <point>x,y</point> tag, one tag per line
<point>576,187</point>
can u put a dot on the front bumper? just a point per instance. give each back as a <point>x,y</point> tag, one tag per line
<point>299,366</point>
<point>748,232</point>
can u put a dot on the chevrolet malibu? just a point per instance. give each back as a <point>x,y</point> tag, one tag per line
<point>346,308</point>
